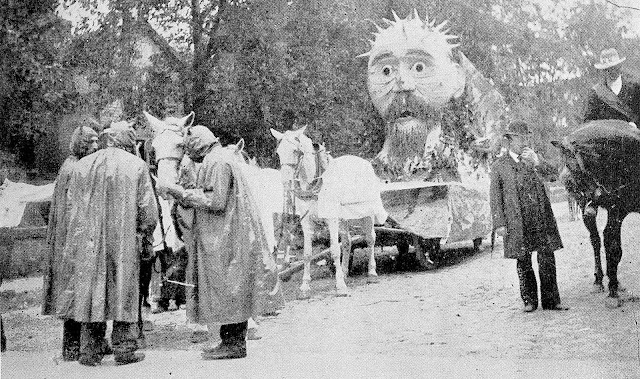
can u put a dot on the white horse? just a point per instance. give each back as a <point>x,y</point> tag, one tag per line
<point>167,144</point>
<point>349,193</point>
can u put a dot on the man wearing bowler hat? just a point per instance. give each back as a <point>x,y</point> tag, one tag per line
<point>616,96</point>
<point>522,213</point>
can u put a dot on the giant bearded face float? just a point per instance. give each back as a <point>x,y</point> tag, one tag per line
<point>411,77</point>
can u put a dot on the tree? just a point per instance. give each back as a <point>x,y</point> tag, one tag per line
<point>33,85</point>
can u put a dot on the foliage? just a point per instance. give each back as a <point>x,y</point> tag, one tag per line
<point>33,86</point>
<point>248,62</point>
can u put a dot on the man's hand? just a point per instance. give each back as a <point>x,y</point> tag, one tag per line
<point>501,231</point>
<point>530,156</point>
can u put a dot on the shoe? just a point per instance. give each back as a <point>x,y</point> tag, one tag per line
<point>87,360</point>
<point>529,308</point>
<point>224,351</point>
<point>558,307</point>
<point>126,359</point>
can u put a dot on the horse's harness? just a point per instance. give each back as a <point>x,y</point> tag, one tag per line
<point>294,191</point>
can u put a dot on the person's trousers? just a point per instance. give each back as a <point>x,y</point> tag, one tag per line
<point>234,334</point>
<point>123,339</point>
<point>549,294</point>
<point>71,340</point>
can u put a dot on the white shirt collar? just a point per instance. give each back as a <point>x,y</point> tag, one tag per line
<point>616,85</point>
<point>515,156</point>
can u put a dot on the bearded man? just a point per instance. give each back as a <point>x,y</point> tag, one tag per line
<point>230,262</point>
<point>111,209</point>
<point>84,141</point>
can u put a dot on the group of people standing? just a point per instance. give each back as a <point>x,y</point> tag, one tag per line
<point>104,206</point>
<point>520,206</point>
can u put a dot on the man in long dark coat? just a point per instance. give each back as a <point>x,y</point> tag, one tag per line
<point>522,213</point>
<point>230,262</point>
<point>617,95</point>
<point>84,141</point>
<point>111,209</point>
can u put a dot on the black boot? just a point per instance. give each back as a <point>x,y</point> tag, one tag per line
<point>71,340</point>
<point>233,345</point>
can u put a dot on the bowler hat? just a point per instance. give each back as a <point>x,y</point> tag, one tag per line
<point>608,58</point>
<point>518,128</point>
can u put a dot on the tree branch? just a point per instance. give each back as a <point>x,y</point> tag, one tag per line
<point>621,6</point>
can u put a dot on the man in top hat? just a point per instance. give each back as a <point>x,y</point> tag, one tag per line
<point>616,96</point>
<point>522,213</point>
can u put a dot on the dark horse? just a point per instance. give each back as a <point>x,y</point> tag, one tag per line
<point>602,169</point>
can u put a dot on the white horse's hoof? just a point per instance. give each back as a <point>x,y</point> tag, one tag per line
<point>597,288</point>
<point>303,295</point>
<point>612,302</point>
<point>342,292</point>
<point>373,279</point>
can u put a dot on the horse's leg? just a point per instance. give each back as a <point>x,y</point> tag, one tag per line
<point>370,238</point>
<point>613,251</point>
<point>307,230</point>
<point>346,251</point>
<point>334,230</point>
<point>589,220</point>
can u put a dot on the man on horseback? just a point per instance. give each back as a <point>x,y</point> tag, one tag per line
<point>616,96</point>
<point>230,266</point>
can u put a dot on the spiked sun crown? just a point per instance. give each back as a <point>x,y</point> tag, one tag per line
<point>414,32</point>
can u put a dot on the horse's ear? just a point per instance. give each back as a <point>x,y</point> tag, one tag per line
<point>301,130</point>
<point>187,120</point>
<point>240,145</point>
<point>156,124</point>
<point>276,134</point>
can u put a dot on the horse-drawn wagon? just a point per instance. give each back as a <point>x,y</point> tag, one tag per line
<point>428,215</point>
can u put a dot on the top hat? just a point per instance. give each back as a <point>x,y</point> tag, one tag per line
<point>518,128</point>
<point>609,58</point>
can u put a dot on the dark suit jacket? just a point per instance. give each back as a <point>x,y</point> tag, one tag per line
<point>597,109</point>
<point>511,182</point>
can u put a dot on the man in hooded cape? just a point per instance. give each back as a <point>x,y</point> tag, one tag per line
<point>230,262</point>
<point>84,141</point>
<point>111,209</point>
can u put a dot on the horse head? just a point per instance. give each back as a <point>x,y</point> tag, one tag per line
<point>167,144</point>
<point>302,161</point>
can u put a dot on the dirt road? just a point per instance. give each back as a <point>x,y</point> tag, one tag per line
<point>461,320</point>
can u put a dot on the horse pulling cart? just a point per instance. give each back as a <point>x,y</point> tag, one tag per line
<point>431,217</point>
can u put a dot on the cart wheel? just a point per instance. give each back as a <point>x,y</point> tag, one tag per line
<point>476,245</point>
<point>427,252</point>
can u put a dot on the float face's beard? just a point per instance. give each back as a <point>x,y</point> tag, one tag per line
<point>410,121</point>
<point>407,104</point>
